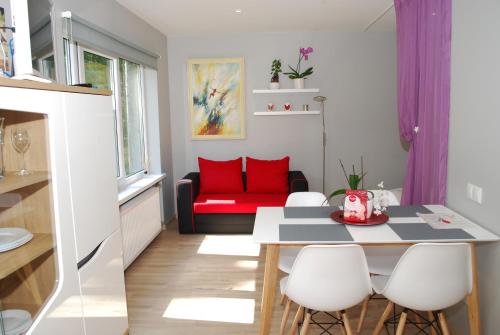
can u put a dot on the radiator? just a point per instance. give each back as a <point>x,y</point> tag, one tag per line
<point>140,223</point>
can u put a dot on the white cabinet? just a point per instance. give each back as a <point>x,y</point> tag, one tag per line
<point>103,289</point>
<point>90,137</point>
<point>73,144</point>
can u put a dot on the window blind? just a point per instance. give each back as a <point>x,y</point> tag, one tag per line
<point>41,38</point>
<point>92,36</point>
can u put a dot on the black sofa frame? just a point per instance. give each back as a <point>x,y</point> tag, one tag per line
<point>187,190</point>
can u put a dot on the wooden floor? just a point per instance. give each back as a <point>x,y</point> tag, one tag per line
<point>204,284</point>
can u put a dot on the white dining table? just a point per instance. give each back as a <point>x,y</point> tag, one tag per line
<point>277,227</point>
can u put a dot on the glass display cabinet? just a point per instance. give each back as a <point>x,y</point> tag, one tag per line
<point>61,265</point>
<point>28,262</point>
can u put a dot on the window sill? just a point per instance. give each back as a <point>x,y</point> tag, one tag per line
<point>134,189</point>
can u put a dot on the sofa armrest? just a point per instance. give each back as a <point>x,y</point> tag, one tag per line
<point>297,182</point>
<point>187,190</point>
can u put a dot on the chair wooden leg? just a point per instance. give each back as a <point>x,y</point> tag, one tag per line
<point>286,313</point>
<point>282,299</point>
<point>443,323</point>
<point>347,324</point>
<point>430,315</point>
<point>402,323</point>
<point>418,319</point>
<point>339,316</point>
<point>296,320</point>
<point>382,319</point>
<point>362,316</point>
<point>305,325</point>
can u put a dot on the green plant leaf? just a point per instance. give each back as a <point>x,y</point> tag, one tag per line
<point>337,192</point>
<point>306,73</point>
<point>354,181</point>
<point>293,74</point>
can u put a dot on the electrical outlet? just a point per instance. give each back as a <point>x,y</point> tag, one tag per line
<point>470,191</point>
<point>475,193</point>
<point>478,195</point>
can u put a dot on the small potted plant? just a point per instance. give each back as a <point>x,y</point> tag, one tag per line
<point>295,74</point>
<point>376,204</point>
<point>275,73</point>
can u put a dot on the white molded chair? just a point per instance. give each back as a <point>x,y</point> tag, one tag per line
<point>299,199</point>
<point>428,277</point>
<point>382,260</point>
<point>326,279</point>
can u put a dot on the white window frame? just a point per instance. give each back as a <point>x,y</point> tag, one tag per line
<point>41,64</point>
<point>123,180</point>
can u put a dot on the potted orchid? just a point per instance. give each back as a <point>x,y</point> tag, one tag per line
<point>295,74</point>
<point>377,201</point>
<point>275,74</point>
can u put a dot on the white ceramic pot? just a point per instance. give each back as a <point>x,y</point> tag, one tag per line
<point>299,83</point>
<point>369,208</point>
<point>274,85</point>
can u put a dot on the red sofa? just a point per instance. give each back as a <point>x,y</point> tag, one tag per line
<point>223,199</point>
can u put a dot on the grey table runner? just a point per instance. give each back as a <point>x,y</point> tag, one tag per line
<point>422,231</point>
<point>339,232</point>
<point>314,232</point>
<point>406,211</point>
<point>324,212</point>
<point>308,212</point>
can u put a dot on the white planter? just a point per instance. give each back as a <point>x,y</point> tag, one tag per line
<point>274,85</point>
<point>299,83</point>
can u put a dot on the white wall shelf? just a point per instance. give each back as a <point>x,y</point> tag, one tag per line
<point>287,90</point>
<point>278,113</point>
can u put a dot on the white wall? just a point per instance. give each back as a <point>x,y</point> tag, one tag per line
<point>355,71</point>
<point>119,21</point>
<point>474,141</point>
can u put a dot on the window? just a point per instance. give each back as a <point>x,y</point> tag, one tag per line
<point>131,107</point>
<point>125,79</point>
<point>45,65</point>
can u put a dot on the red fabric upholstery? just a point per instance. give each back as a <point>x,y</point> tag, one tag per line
<point>221,176</point>
<point>241,203</point>
<point>267,176</point>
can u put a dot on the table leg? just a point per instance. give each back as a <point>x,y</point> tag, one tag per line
<point>473,297</point>
<point>269,288</point>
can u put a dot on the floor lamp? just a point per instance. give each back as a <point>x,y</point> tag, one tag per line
<point>321,100</point>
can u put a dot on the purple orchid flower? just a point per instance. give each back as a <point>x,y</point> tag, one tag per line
<point>296,73</point>
<point>305,52</point>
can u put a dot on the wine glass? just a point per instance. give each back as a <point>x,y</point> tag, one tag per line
<point>21,142</point>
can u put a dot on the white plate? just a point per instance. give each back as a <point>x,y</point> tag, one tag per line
<point>11,238</point>
<point>15,322</point>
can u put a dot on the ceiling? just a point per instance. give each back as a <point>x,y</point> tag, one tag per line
<point>188,17</point>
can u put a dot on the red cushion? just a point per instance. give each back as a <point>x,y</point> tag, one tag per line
<point>267,176</point>
<point>221,176</point>
<point>241,203</point>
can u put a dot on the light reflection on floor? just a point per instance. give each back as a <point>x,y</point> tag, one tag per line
<point>212,309</point>
<point>246,285</point>
<point>231,245</point>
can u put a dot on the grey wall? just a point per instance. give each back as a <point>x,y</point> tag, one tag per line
<point>356,71</point>
<point>117,20</point>
<point>474,141</point>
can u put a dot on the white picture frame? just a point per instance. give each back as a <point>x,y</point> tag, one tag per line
<point>5,37</point>
<point>23,67</point>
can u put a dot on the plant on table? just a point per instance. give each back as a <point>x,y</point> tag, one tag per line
<point>354,180</point>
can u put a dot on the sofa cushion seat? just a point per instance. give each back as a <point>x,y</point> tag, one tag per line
<point>238,203</point>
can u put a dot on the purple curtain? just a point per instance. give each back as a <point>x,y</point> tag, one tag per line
<point>424,50</point>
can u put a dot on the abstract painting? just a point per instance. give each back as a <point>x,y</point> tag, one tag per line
<point>216,98</point>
